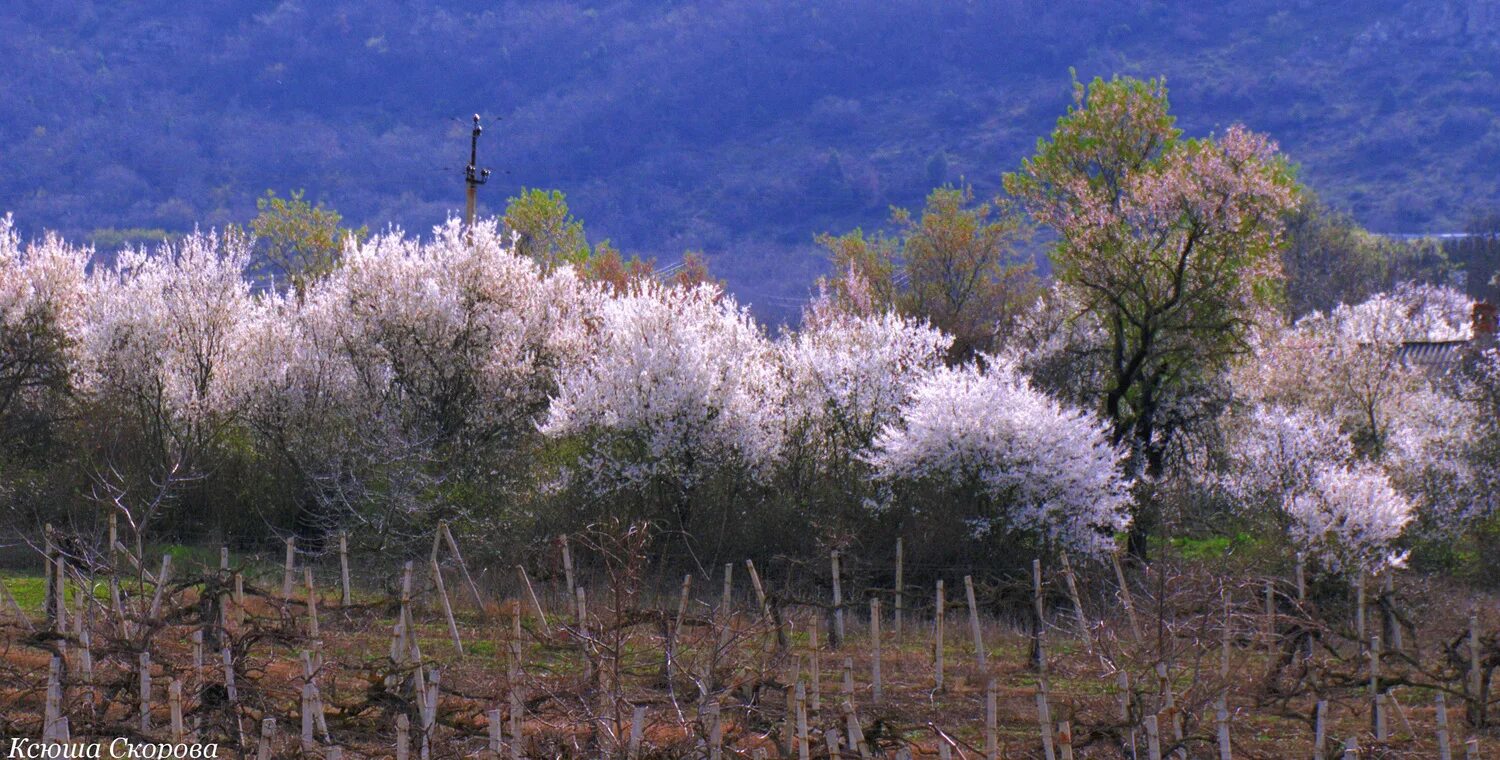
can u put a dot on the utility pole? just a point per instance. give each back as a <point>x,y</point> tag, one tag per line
<point>473,175</point>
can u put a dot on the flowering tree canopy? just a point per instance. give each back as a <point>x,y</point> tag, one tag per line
<point>1041,467</point>
<point>679,383</point>
<point>848,376</point>
<point>1170,244</point>
<point>42,298</point>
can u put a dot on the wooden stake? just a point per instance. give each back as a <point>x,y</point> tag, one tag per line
<point>1153,738</point>
<point>286,574</point>
<point>268,734</point>
<point>1320,729</point>
<point>682,603</point>
<point>437,576</point>
<point>1444,751</point>
<point>347,597</point>
<point>1471,748</point>
<point>875,680</point>
<point>1077,599</point>
<point>52,709</point>
<point>979,653</point>
<point>837,639</point>
<point>496,732</point>
<point>1125,597</point>
<point>517,724</point>
<point>817,666</point>
<point>802,743</point>
<point>403,737</point>
<point>848,681</point>
<point>1381,733</point>
<point>991,736</point>
<point>463,567</point>
<point>145,689</point>
<point>536,604</point>
<point>1359,610</point>
<point>567,560</point>
<point>1041,623</point>
<point>1221,722</point>
<point>174,708</point>
<point>1044,721</point>
<point>900,589</point>
<point>1476,684</point>
<point>312,607</point>
<point>1065,740</point>
<point>760,591</point>
<point>307,718</point>
<point>726,610</point>
<point>716,731</point>
<point>937,638</point>
<point>835,749</point>
<point>637,727</point>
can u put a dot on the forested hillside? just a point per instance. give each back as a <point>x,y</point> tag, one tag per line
<point>739,128</point>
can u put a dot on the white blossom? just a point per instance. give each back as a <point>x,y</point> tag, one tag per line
<point>848,375</point>
<point>1349,518</point>
<point>680,383</point>
<point>1044,467</point>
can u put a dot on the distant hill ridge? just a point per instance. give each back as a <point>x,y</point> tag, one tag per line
<point>739,127</point>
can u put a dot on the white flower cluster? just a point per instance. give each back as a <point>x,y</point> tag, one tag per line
<point>1052,468</point>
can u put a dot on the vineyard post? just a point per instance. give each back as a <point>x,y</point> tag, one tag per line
<point>286,573</point>
<point>403,737</point>
<point>1320,729</point>
<point>268,735</point>
<point>1125,597</point>
<point>1077,599</point>
<point>1376,718</point>
<point>637,726</point>
<point>346,598</point>
<point>1476,681</point>
<point>174,708</point>
<point>567,560</point>
<point>900,584</point>
<point>1153,738</point>
<point>803,749</point>
<point>536,603</point>
<point>1359,609</point>
<point>875,680</point>
<point>145,688</point>
<point>495,730</point>
<point>1444,751</point>
<point>979,654</point>
<point>991,736</point>
<point>442,589</point>
<point>1044,721</point>
<point>1221,724</point>
<point>816,666</point>
<point>837,639</point>
<point>463,567</point>
<point>937,638</point>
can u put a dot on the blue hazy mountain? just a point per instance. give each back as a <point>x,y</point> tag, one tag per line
<point>739,127</point>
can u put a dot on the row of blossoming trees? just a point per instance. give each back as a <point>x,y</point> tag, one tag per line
<point>1153,384</point>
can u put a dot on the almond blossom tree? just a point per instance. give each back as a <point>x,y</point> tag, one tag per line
<point>847,377</point>
<point>413,361</point>
<point>42,297</point>
<point>1350,367</point>
<point>1021,460</point>
<point>1343,513</point>
<point>681,384</point>
<point>163,363</point>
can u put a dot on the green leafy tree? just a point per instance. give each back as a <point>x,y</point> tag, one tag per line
<point>1169,245</point>
<point>957,265</point>
<point>298,241</point>
<point>547,232</point>
<point>964,271</point>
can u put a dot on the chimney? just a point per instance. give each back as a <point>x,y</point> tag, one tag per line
<point>1485,319</point>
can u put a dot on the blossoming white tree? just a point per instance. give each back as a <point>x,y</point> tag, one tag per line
<point>681,384</point>
<point>414,357</point>
<point>42,299</point>
<point>1035,465</point>
<point>847,377</point>
<point>1342,513</point>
